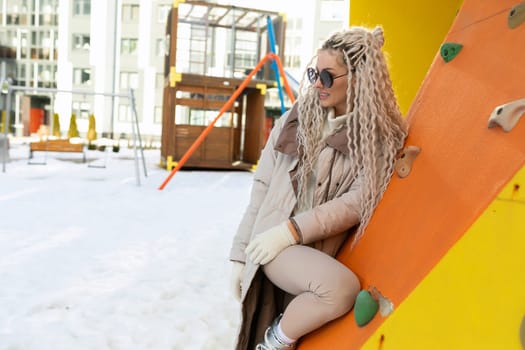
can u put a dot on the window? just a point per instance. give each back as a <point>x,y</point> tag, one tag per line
<point>35,38</point>
<point>204,117</point>
<point>82,109</point>
<point>130,13</point>
<point>160,49</point>
<point>129,80</point>
<point>81,41</point>
<point>21,73</point>
<point>24,43</point>
<point>43,75</point>
<point>124,113</point>
<point>42,44</point>
<point>13,19</point>
<point>128,46</point>
<point>162,13</point>
<point>82,76</point>
<point>46,72</point>
<point>81,7</point>
<point>292,61</point>
<point>186,115</point>
<point>46,40</point>
<point>44,2</point>
<point>48,12</point>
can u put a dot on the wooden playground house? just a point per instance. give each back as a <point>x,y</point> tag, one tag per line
<point>210,49</point>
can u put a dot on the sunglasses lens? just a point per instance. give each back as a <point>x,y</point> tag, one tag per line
<point>312,75</point>
<point>326,78</point>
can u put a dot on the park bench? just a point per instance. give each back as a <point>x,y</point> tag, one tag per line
<point>59,145</point>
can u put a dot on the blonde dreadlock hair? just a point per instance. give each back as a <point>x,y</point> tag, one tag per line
<point>375,128</point>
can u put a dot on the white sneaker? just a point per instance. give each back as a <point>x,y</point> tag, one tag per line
<point>271,342</point>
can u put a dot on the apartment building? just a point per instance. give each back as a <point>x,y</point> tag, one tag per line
<point>110,47</point>
<point>94,46</point>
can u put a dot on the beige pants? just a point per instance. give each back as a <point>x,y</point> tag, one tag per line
<point>324,289</point>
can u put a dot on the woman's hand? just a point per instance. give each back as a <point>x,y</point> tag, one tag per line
<point>265,246</point>
<point>236,278</point>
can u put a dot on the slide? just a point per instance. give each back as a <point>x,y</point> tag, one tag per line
<point>445,246</point>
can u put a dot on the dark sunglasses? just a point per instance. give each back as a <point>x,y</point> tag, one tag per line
<point>327,80</point>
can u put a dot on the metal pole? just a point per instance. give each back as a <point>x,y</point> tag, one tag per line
<point>135,137</point>
<point>74,92</point>
<point>7,117</point>
<point>5,85</point>
<point>134,106</point>
<point>114,67</point>
<point>233,43</point>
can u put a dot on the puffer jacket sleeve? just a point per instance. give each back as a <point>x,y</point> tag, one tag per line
<point>261,181</point>
<point>330,218</point>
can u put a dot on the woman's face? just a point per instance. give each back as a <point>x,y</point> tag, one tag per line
<point>334,96</point>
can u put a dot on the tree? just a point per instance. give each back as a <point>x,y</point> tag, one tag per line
<point>92,130</point>
<point>56,125</point>
<point>73,129</point>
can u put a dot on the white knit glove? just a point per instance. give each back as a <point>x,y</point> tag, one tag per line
<point>265,246</point>
<point>236,278</point>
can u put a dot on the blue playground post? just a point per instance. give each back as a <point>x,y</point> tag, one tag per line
<point>271,37</point>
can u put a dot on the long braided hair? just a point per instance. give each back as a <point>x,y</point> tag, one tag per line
<point>375,129</point>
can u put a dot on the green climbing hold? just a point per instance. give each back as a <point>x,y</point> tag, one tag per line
<point>365,308</point>
<point>450,50</point>
<point>516,16</point>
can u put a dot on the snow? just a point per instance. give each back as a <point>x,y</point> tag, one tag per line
<point>91,260</point>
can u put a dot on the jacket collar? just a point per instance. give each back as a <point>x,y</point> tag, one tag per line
<point>287,140</point>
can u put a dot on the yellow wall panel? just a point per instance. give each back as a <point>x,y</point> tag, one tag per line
<point>414,31</point>
<point>445,244</point>
<point>475,296</point>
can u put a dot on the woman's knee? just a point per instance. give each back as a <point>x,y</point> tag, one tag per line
<point>345,292</point>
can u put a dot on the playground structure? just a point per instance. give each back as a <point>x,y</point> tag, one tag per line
<point>200,139</point>
<point>212,48</point>
<point>441,260</point>
<point>56,144</point>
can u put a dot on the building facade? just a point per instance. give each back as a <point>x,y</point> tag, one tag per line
<point>113,46</point>
<point>87,45</point>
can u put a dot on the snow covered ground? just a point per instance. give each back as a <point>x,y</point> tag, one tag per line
<point>91,260</point>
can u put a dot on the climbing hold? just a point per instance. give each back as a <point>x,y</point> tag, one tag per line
<point>507,115</point>
<point>365,308</point>
<point>403,164</point>
<point>516,16</point>
<point>386,307</point>
<point>449,51</point>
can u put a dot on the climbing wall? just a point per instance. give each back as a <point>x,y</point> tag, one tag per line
<point>414,29</point>
<point>444,247</point>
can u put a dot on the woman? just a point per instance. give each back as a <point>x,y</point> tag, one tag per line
<point>321,174</point>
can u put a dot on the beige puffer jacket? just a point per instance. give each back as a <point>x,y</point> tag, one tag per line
<point>273,199</point>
